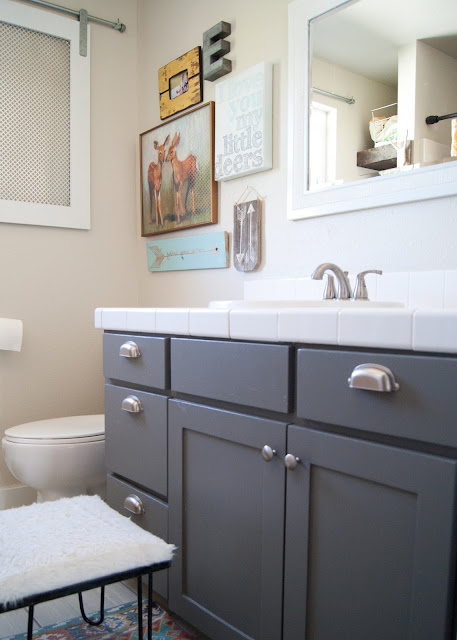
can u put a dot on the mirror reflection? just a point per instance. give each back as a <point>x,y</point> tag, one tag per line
<point>378,70</point>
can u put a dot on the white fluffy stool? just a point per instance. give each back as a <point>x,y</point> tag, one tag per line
<point>53,549</point>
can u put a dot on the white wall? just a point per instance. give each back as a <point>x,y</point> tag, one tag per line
<point>407,237</point>
<point>427,85</point>
<point>407,67</point>
<point>436,92</point>
<point>53,279</point>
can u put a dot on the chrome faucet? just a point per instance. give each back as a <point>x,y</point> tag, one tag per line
<point>344,288</point>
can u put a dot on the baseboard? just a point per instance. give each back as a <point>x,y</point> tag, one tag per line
<point>16,497</point>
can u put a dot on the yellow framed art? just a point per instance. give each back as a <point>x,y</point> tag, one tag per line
<point>180,84</point>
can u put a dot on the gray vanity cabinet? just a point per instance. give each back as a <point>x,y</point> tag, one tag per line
<point>369,541</point>
<point>226,509</point>
<point>302,508</point>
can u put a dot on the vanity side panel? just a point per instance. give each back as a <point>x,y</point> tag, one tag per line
<point>424,408</point>
<point>256,375</point>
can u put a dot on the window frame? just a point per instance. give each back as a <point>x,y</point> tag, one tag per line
<point>77,214</point>
<point>331,115</point>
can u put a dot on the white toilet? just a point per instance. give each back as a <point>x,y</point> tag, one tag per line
<point>60,457</point>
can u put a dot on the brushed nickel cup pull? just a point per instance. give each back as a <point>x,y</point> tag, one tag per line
<point>133,504</point>
<point>129,349</point>
<point>291,462</point>
<point>132,404</point>
<point>268,453</point>
<point>373,377</point>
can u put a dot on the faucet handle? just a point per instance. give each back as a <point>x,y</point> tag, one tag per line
<point>360,289</point>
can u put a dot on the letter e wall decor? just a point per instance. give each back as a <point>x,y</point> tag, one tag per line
<point>214,50</point>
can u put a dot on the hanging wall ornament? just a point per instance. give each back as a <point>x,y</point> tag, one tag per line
<point>246,233</point>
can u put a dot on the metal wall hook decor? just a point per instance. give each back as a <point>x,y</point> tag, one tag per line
<point>83,18</point>
<point>247,231</point>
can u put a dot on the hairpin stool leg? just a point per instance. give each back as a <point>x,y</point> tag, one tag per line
<point>140,608</point>
<point>30,623</point>
<point>94,623</point>
<point>150,605</point>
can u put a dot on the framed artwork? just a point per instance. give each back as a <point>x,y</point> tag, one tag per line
<point>180,84</point>
<point>244,123</point>
<point>178,189</point>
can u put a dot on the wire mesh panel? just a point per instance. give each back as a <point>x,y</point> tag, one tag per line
<point>34,116</point>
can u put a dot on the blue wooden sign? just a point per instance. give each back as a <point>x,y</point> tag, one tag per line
<point>204,251</point>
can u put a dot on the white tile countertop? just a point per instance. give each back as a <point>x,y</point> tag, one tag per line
<point>416,329</point>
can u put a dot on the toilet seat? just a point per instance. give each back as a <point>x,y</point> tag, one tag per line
<point>67,430</point>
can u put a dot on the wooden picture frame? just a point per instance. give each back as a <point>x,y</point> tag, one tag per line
<point>180,83</point>
<point>178,190</point>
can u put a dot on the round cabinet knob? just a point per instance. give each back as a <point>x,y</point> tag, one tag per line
<point>268,453</point>
<point>132,404</point>
<point>133,504</point>
<point>291,461</point>
<point>129,349</point>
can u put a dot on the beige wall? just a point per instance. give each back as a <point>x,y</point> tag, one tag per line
<point>259,32</point>
<point>52,279</point>
<point>401,238</point>
<point>353,132</point>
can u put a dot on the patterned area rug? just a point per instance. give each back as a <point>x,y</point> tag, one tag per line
<point>120,623</point>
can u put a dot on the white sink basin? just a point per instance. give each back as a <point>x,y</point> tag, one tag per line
<point>300,304</point>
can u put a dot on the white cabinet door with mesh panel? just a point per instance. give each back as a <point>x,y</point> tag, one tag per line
<point>44,119</point>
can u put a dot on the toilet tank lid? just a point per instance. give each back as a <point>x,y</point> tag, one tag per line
<point>59,428</point>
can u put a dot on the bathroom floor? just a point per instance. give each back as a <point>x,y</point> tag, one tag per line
<point>47,613</point>
<point>66,608</point>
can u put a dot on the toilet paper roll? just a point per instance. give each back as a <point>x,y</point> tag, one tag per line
<point>10,334</point>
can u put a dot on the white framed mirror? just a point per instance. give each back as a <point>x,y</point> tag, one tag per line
<point>429,170</point>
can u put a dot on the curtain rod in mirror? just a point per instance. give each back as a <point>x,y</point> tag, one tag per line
<point>329,94</point>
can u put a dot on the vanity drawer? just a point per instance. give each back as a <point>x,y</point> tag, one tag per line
<point>423,408</point>
<point>136,443</point>
<point>257,375</point>
<point>154,519</point>
<point>147,366</point>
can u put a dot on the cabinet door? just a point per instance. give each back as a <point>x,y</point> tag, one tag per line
<point>226,508</point>
<point>369,541</point>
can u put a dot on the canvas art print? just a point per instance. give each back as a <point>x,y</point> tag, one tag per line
<point>244,123</point>
<point>178,190</point>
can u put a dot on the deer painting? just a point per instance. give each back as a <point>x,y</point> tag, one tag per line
<point>182,171</point>
<point>155,180</point>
